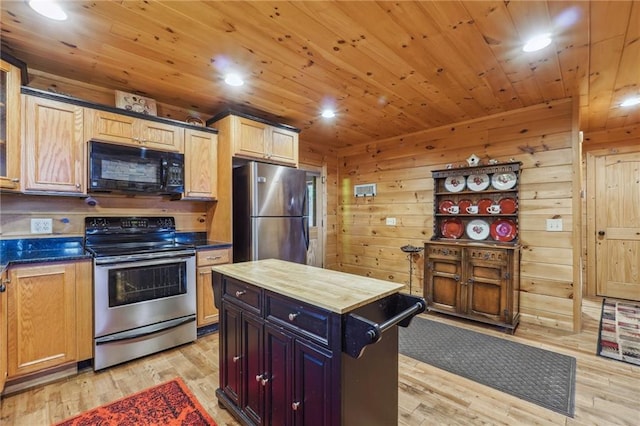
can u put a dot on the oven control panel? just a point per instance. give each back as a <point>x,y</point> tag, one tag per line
<point>105,224</point>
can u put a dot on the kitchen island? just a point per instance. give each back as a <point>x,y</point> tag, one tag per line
<point>301,345</point>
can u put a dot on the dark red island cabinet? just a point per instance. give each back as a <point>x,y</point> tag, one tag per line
<point>287,361</point>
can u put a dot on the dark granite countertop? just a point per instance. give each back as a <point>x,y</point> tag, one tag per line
<point>37,250</point>
<point>199,240</point>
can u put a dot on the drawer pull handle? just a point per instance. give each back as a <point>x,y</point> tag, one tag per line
<point>295,406</point>
<point>236,358</point>
<point>293,316</point>
<point>259,377</point>
<point>214,257</point>
<point>240,293</point>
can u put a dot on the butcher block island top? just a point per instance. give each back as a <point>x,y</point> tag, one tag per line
<point>335,291</point>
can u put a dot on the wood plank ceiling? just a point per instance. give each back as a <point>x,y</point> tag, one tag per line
<point>388,68</point>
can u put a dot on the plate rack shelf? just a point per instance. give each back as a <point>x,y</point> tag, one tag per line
<point>477,204</point>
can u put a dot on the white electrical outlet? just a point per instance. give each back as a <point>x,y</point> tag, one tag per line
<point>391,221</point>
<point>41,226</point>
<point>554,225</point>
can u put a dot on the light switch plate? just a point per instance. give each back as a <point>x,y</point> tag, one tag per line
<point>41,226</point>
<point>554,225</point>
<point>391,221</point>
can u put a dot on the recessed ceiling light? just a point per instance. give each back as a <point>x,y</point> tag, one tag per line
<point>328,113</point>
<point>48,8</point>
<point>538,42</point>
<point>233,80</point>
<point>631,102</point>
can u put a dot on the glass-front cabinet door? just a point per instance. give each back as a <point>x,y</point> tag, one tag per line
<point>9,126</point>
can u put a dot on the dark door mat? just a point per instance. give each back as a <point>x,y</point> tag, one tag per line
<point>536,375</point>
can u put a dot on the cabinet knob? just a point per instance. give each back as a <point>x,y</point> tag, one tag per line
<point>263,379</point>
<point>601,233</point>
<point>240,293</point>
<point>456,277</point>
<point>236,358</point>
<point>15,180</point>
<point>3,287</point>
<point>293,316</point>
<point>295,406</point>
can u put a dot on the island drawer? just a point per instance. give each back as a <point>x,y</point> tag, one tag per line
<point>309,321</point>
<point>243,294</point>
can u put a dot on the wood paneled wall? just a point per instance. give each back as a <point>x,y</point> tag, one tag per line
<point>68,213</point>
<point>541,137</point>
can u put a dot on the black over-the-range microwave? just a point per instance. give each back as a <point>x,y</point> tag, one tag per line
<point>130,169</point>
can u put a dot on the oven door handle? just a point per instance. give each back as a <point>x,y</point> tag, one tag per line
<point>124,261</point>
<point>144,331</point>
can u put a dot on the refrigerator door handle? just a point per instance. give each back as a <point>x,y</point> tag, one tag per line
<point>305,230</point>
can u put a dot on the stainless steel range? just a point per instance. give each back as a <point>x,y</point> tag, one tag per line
<point>144,287</point>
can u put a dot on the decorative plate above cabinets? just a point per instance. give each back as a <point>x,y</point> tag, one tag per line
<point>478,204</point>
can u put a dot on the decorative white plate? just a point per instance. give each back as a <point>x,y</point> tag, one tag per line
<point>478,182</point>
<point>478,229</point>
<point>454,183</point>
<point>504,180</point>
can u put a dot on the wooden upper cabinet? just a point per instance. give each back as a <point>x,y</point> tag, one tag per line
<point>126,130</point>
<point>284,146</point>
<point>201,161</point>
<point>54,148</point>
<point>255,140</point>
<point>9,126</point>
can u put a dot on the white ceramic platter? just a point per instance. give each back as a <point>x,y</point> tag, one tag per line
<point>478,182</point>
<point>478,229</point>
<point>502,181</point>
<point>454,183</point>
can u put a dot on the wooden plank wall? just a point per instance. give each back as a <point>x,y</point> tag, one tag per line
<point>68,213</point>
<point>540,137</point>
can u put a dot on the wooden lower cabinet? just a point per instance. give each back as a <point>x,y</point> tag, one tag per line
<point>473,281</point>
<point>49,316</point>
<point>4,280</point>
<point>206,312</point>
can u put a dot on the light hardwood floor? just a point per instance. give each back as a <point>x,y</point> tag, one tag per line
<point>607,391</point>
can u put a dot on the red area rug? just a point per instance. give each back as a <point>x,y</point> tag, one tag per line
<point>168,404</point>
<point>620,331</point>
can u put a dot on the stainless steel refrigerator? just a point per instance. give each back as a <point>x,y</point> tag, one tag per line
<point>270,219</point>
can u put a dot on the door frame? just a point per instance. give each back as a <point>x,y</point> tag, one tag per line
<point>321,203</point>
<point>591,156</point>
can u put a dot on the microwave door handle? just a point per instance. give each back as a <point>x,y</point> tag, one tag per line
<point>163,173</point>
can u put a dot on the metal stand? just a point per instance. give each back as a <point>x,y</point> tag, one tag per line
<point>411,250</point>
